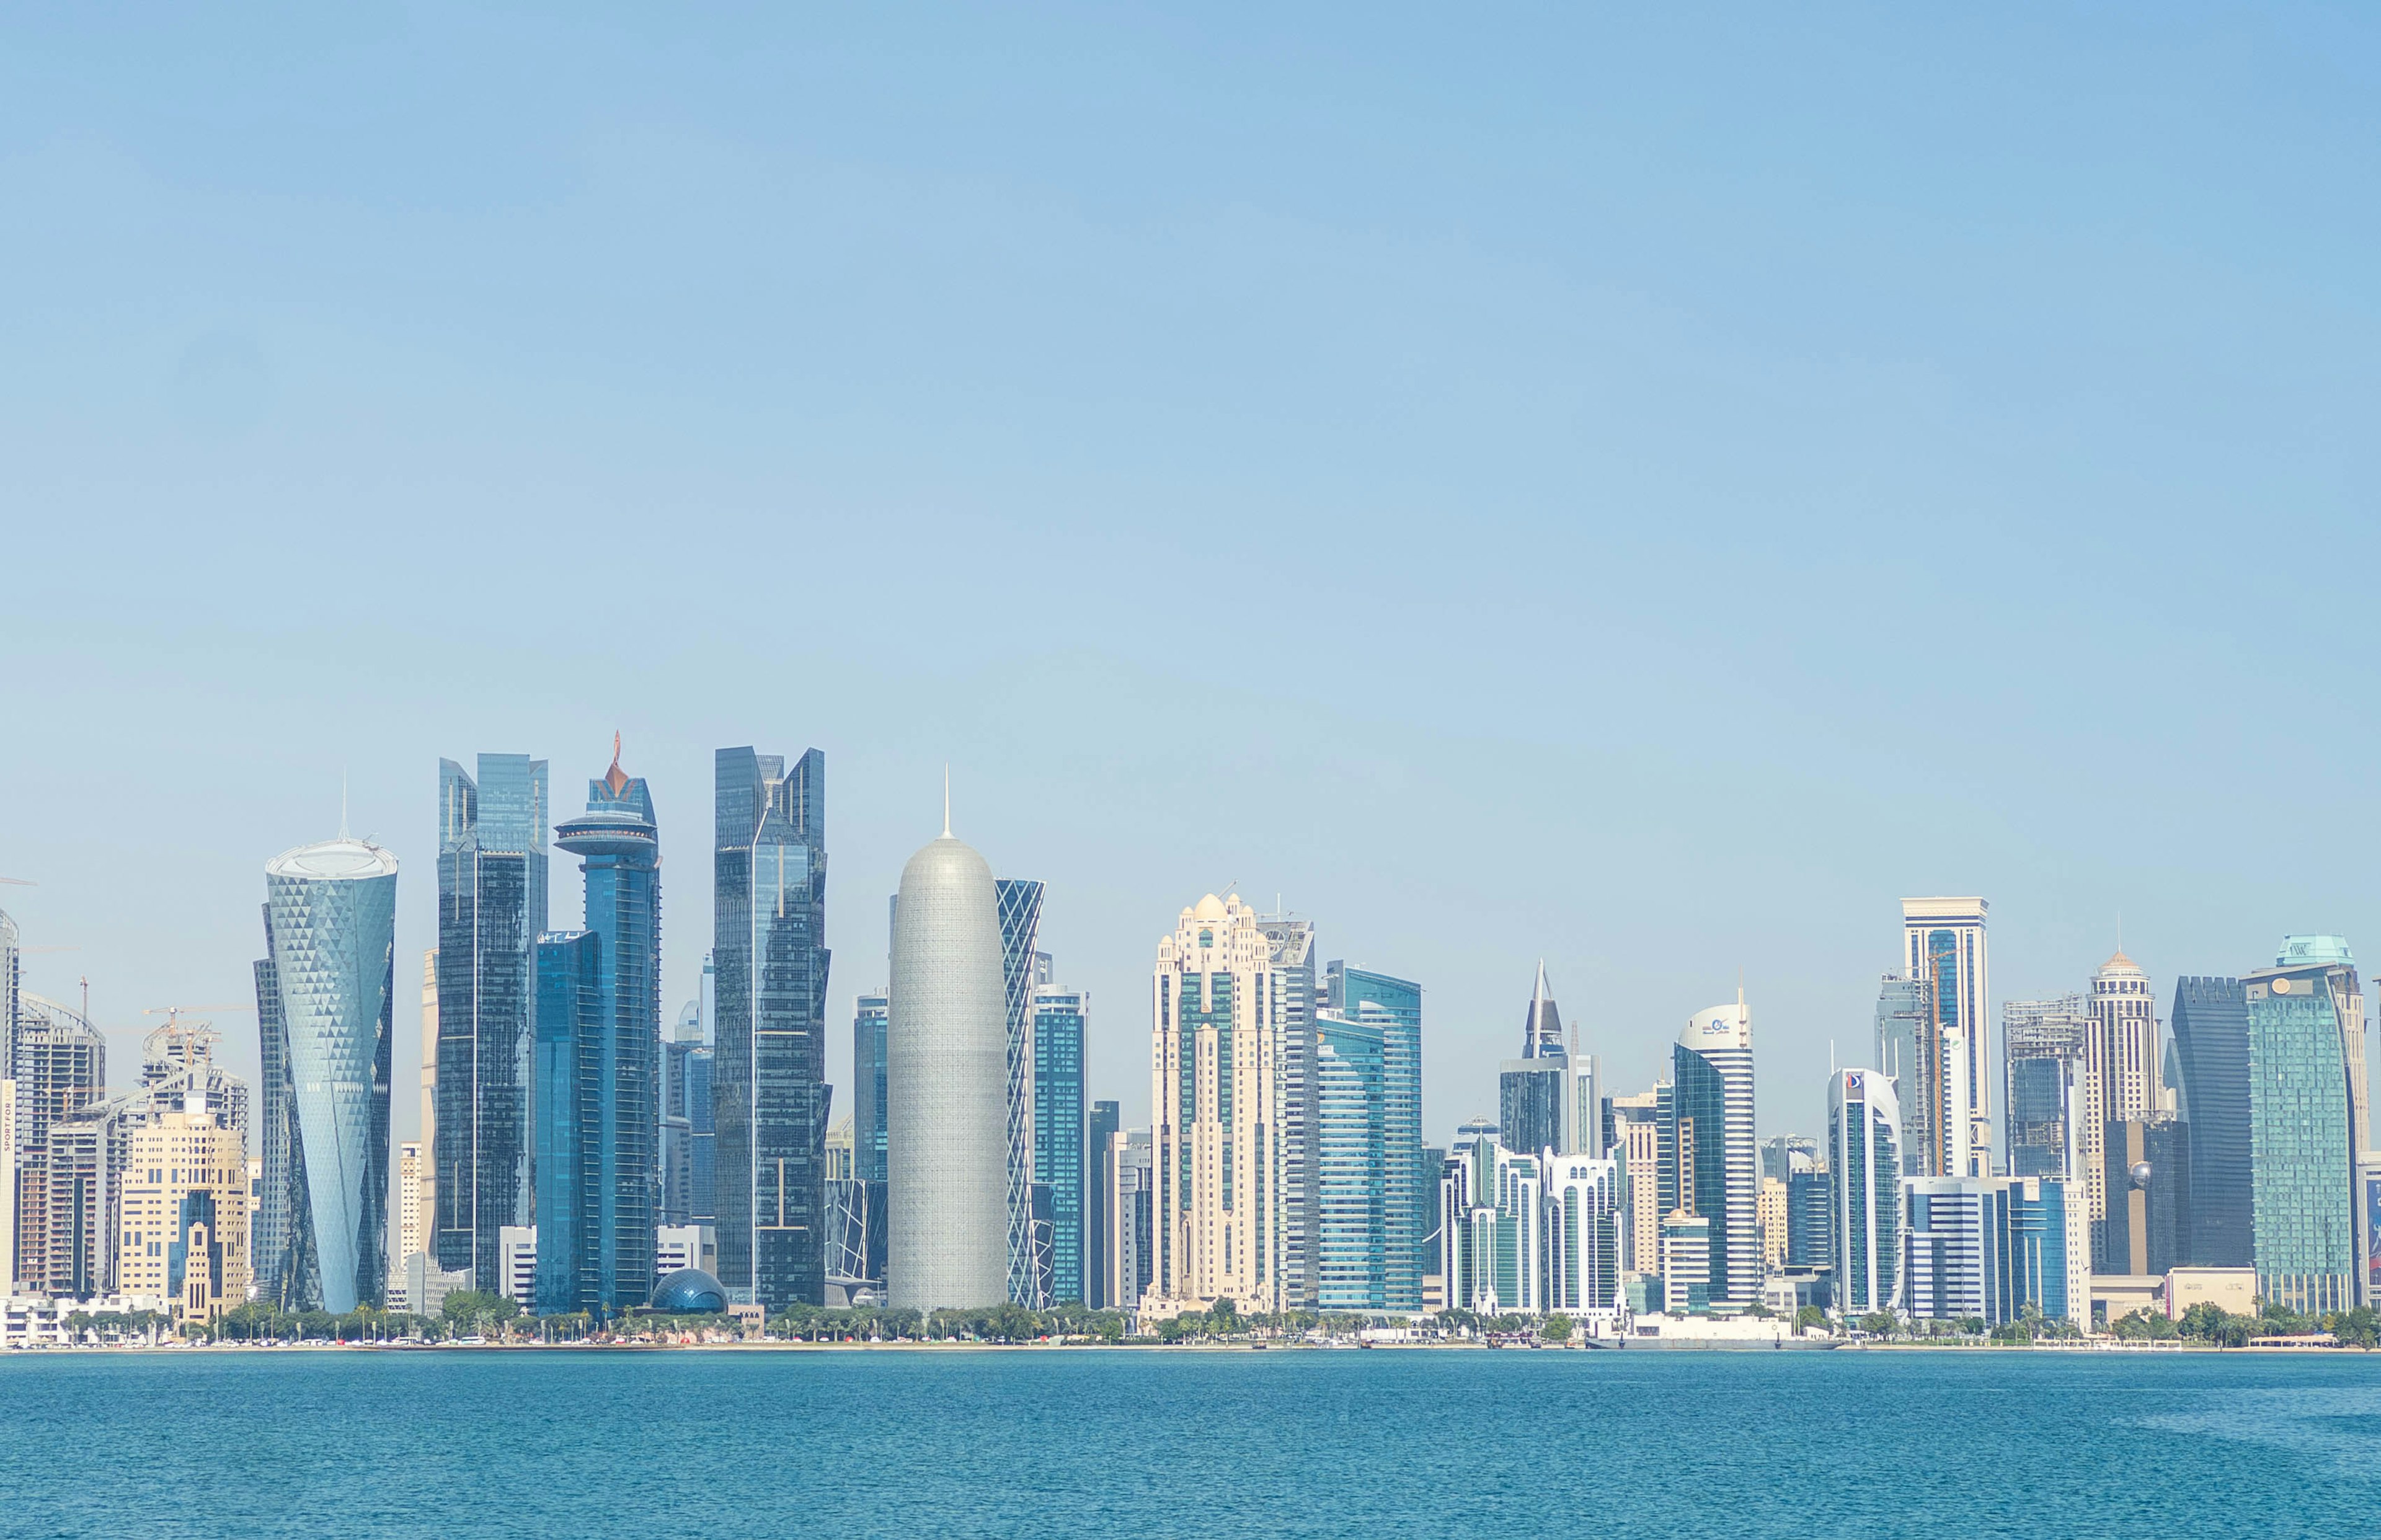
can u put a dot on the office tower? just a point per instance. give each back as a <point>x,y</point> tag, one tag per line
<point>184,1226</point>
<point>770,962</point>
<point>702,1140</point>
<point>2301,1014</point>
<point>2211,1042</point>
<point>1810,1219</point>
<point>1536,1107</point>
<point>1061,1039</point>
<point>1769,1202</point>
<point>409,1162</point>
<point>678,1049</point>
<point>10,981</point>
<point>1864,1172</point>
<point>269,1237</point>
<point>1491,1247</point>
<point>1212,1092</point>
<point>947,1086</point>
<point>425,1216</point>
<point>1350,1212</point>
<point>492,896</point>
<point>1099,1204</point>
<point>1434,1160</point>
<point>60,1062</point>
<point>1944,943</point>
<point>868,1027</point>
<point>1132,1200</point>
<point>1393,1005</point>
<point>1291,1001</point>
<point>2120,1079</point>
<point>2309,951</point>
<point>8,1170</point>
<point>2146,1179</point>
<point>2047,1092</point>
<point>598,1067</point>
<point>1988,1247</point>
<point>1926,1058</point>
<point>1709,1161</point>
<point>1785,1154</point>
<point>1637,1123</point>
<point>1582,1236</point>
<point>330,912</point>
<point>1687,1267</point>
<point>1019,905</point>
<point>84,1164</point>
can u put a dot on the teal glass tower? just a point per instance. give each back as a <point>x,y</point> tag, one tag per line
<point>491,896</point>
<point>870,1022</point>
<point>2301,1150</point>
<point>599,1061</point>
<point>1393,1006</point>
<point>1351,1210</point>
<point>1020,907</point>
<point>1061,1020</point>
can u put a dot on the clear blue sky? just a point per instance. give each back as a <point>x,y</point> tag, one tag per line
<point>1646,490</point>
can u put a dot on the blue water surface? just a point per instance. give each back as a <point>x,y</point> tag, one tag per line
<point>1627,1445</point>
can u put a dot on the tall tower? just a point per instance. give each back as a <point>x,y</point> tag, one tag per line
<point>2121,1080</point>
<point>1711,1165</point>
<point>608,1103</point>
<point>1213,1090</point>
<point>61,1071</point>
<point>1061,1124</point>
<point>2211,1040</point>
<point>872,1017</point>
<point>1290,1006</point>
<point>2302,1013</point>
<point>947,1087</point>
<point>770,962</point>
<point>1943,942</point>
<point>1019,904</point>
<point>1536,1108</point>
<point>1864,1189</point>
<point>1393,1006</point>
<point>330,910</point>
<point>492,889</point>
<point>423,1220</point>
<point>2049,1089</point>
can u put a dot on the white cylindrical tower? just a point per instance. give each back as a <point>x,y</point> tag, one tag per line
<point>946,1087</point>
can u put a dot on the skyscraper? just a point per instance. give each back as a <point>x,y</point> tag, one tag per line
<point>1864,1171</point>
<point>606,1101</point>
<point>2121,1080</point>
<point>2047,1095</point>
<point>1944,943</point>
<point>2302,1013</point>
<point>869,1023</point>
<point>1926,1058</point>
<point>183,1234</point>
<point>410,1159</point>
<point>1491,1227</point>
<point>425,1218</point>
<point>2211,1040</point>
<point>947,1086</point>
<point>1019,904</point>
<point>678,1120</point>
<point>770,962</point>
<point>1536,1107</point>
<point>1351,1211</point>
<point>61,1069</point>
<point>1394,1004</point>
<point>270,1236</point>
<point>1637,1126</point>
<point>1061,1050</point>
<point>2146,1178</point>
<point>492,892</point>
<point>1212,1092</point>
<point>1099,1204</point>
<point>1290,1004</point>
<point>331,909</point>
<point>1711,1167</point>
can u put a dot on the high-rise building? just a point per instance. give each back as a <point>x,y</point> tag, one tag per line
<point>183,1233</point>
<point>947,1086</point>
<point>1393,1005</point>
<point>2312,951</point>
<point>769,1092</point>
<point>2046,1089</point>
<point>1292,998</point>
<point>1687,1267</point>
<point>331,909</point>
<point>269,1241</point>
<point>2302,1014</point>
<point>2211,1040</point>
<point>1988,1247</point>
<point>1099,1204</point>
<point>1213,1092</point>
<point>11,979</point>
<point>2121,1079</point>
<point>1491,1218</point>
<point>1810,1219</point>
<point>599,1065</point>
<point>869,1023</point>
<point>2146,1179</point>
<point>1785,1154</point>
<point>1536,1109</point>
<point>1061,1050</point>
<point>1926,1058</point>
<point>1019,905</point>
<point>1350,1215</point>
<point>1710,1166</point>
<point>425,1195</point>
<point>84,1160</point>
<point>1864,1172</point>
<point>1582,1237</point>
<point>7,1166</point>
<point>492,901</point>
<point>1133,1245</point>
<point>1637,1123</point>
<point>1769,1202</point>
<point>409,1164</point>
<point>677,1117</point>
<point>1944,943</point>
<point>60,1062</point>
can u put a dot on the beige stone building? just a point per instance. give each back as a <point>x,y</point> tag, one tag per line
<point>1769,1212</point>
<point>1641,1159</point>
<point>1214,1095</point>
<point>184,1229</point>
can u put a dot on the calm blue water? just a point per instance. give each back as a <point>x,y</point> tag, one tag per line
<point>658,1446</point>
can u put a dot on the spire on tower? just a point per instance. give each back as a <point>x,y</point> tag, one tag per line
<point>946,802</point>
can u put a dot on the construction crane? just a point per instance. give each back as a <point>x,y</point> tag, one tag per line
<point>170,1012</point>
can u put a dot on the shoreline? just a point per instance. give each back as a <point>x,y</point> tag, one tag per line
<point>2100,1348</point>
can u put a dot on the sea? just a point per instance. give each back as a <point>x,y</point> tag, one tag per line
<point>525,1445</point>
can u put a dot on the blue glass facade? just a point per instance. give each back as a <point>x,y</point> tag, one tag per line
<point>1395,1007</point>
<point>617,1104</point>
<point>770,963</point>
<point>1019,906</point>
<point>1061,1019</point>
<point>268,1241</point>
<point>1694,1155</point>
<point>331,911</point>
<point>2211,1043</point>
<point>2302,1156</point>
<point>1099,1204</point>
<point>491,907</point>
<point>870,1022</point>
<point>1352,1212</point>
<point>569,1028</point>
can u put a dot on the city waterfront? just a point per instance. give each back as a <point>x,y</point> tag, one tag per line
<point>660,1445</point>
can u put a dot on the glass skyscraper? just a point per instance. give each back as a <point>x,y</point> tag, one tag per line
<point>2211,1042</point>
<point>599,1088</point>
<point>1864,1174</point>
<point>1395,1007</point>
<point>1099,1204</point>
<point>491,896</point>
<point>1710,1166</point>
<point>1061,1022</point>
<point>330,910</point>
<point>1019,904</point>
<point>770,962</point>
<point>2045,1103</point>
<point>1352,1217</point>
<point>1944,944</point>
<point>869,1025</point>
<point>1288,1011</point>
<point>2302,1154</point>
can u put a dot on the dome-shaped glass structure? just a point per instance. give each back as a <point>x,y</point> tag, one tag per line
<point>690,1291</point>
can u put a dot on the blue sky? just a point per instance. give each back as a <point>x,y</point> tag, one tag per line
<point>1643,490</point>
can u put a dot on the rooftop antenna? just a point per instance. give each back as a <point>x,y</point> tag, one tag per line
<point>86,998</point>
<point>947,800</point>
